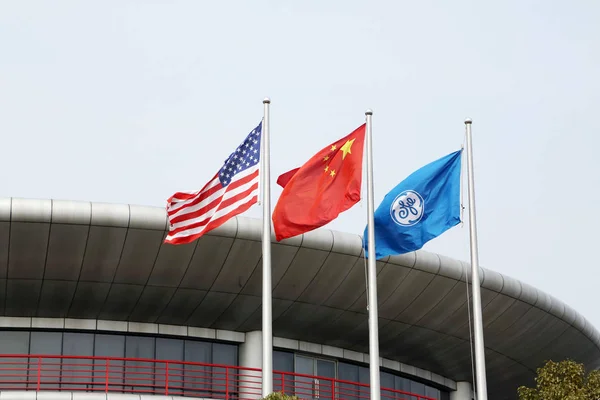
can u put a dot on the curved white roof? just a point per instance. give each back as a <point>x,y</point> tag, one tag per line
<point>107,261</point>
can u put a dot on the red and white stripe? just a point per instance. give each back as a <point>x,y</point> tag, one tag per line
<point>191,215</point>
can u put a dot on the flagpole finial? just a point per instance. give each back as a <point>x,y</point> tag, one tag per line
<point>369,112</point>
<point>267,100</point>
<point>468,121</point>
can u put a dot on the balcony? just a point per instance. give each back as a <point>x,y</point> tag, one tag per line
<point>171,378</point>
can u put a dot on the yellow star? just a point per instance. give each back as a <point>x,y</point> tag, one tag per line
<point>346,148</point>
<point>325,158</point>
<point>333,147</point>
<point>327,168</point>
<point>332,172</point>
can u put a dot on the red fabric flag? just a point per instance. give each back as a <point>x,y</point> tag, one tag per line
<point>285,178</point>
<point>326,185</point>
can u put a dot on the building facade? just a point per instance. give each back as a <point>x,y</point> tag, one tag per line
<point>96,356</point>
<point>94,304</point>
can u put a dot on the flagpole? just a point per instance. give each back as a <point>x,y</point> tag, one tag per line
<point>480,375</point>
<point>372,271</point>
<point>267,318</point>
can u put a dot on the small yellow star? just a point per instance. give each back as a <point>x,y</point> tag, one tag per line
<point>327,168</point>
<point>333,148</point>
<point>346,148</point>
<point>332,173</point>
<point>325,158</point>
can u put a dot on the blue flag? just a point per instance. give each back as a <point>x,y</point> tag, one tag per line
<point>420,208</point>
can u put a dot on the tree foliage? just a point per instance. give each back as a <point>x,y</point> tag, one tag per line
<point>565,380</point>
<point>280,396</point>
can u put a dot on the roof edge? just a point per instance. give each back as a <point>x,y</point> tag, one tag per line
<point>13,209</point>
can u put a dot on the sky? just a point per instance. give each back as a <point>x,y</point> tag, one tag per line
<point>127,101</point>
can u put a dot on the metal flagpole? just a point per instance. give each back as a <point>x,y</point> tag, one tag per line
<point>267,318</point>
<point>372,271</point>
<point>480,376</point>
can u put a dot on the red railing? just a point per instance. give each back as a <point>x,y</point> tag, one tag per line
<point>175,378</point>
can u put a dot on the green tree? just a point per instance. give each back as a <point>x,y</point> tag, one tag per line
<point>280,396</point>
<point>565,380</point>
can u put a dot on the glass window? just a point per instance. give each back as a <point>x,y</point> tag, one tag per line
<point>199,352</point>
<point>364,375</point>
<point>283,361</point>
<point>198,377</point>
<point>223,354</point>
<point>15,342</point>
<point>169,350</point>
<point>326,368</point>
<point>432,392</point>
<point>139,375</point>
<point>139,347</point>
<point>226,354</point>
<point>187,359</point>
<point>78,344</point>
<point>109,346</point>
<point>387,382</point>
<point>401,383</point>
<point>348,372</point>
<point>134,369</point>
<point>417,387</point>
<point>304,385</point>
<point>326,387</point>
<point>46,343</point>
<point>75,370</point>
<point>305,365</point>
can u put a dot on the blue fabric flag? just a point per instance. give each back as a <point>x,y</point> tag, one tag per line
<point>418,209</point>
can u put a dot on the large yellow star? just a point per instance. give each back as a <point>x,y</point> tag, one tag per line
<point>346,148</point>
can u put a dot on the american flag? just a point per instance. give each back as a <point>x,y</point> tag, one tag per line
<point>233,190</point>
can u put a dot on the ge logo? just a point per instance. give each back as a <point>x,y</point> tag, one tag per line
<point>407,208</point>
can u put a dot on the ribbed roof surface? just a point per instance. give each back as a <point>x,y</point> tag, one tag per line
<point>107,261</point>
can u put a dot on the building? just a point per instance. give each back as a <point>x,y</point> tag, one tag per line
<point>93,303</point>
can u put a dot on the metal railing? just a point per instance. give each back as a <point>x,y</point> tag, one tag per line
<point>173,378</point>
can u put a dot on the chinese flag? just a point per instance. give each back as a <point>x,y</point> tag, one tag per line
<point>317,192</point>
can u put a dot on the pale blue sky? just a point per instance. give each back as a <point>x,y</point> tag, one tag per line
<point>129,101</point>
